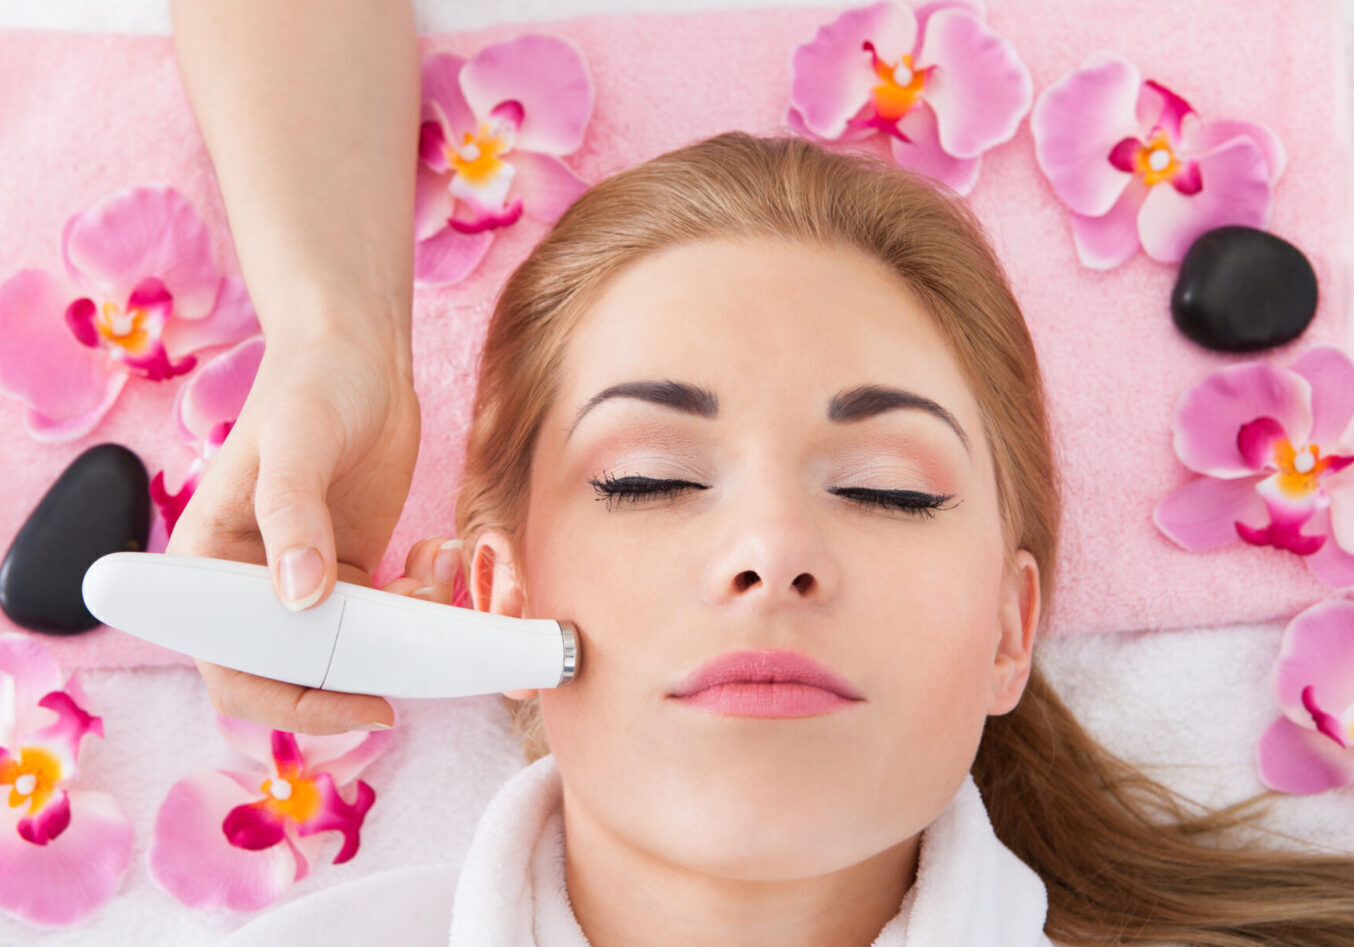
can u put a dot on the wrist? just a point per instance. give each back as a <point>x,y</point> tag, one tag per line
<point>379,326</point>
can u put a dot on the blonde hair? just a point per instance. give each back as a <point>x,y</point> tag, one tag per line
<point>1123,859</point>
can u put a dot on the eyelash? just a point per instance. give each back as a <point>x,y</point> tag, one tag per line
<point>634,489</point>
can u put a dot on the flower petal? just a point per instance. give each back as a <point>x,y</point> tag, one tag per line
<point>1331,564</point>
<point>1210,415</point>
<point>216,392</point>
<point>794,123</point>
<point>32,672</point>
<point>252,739</point>
<point>548,76</point>
<point>1317,651</point>
<point>62,737</point>
<point>1106,241</point>
<point>833,76</point>
<point>441,86</point>
<point>51,430</point>
<point>1236,190</point>
<point>64,881</point>
<point>232,318</point>
<point>433,202</point>
<point>1256,442</point>
<point>1200,137</point>
<point>254,825</point>
<point>335,813</point>
<point>344,755</point>
<point>140,232</point>
<point>1298,760</point>
<point>42,364</point>
<point>1159,107</point>
<point>924,154</point>
<point>450,256</point>
<point>191,859</point>
<point>1203,514</point>
<point>980,90</point>
<point>1340,492</point>
<point>47,824</point>
<point>1077,121</point>
<point>1331,375</point>
<point>545,184</point>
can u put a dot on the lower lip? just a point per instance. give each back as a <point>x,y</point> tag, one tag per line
<point>767,700</point>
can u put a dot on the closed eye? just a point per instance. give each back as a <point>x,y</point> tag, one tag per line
<point>635,488</point>
<point>909,501</point>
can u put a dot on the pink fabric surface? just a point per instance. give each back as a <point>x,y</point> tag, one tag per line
<point>84,115</point>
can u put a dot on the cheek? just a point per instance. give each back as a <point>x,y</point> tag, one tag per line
<point>619,590</point>
<point>932,605</point>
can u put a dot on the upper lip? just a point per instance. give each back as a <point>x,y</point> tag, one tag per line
<point>765,667</point>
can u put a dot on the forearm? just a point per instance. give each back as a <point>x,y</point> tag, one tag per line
<point>310,112</point>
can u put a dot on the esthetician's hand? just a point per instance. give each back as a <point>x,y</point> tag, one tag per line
<point>429,570</point>
<point>311,479</point>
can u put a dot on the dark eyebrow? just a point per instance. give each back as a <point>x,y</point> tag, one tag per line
<point>670,394</point>
<point>855,404</point>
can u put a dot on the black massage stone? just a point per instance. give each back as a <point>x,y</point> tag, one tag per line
<point>99,504</point>
<point>1240,290</point>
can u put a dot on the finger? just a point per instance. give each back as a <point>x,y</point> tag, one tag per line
<point>295,471</point>
<point>417,588</point>
<point>290,707</point>
<point>418,554</point>
<point>436,560</point>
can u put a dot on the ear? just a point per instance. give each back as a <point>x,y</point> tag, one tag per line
<point>494,584</point>
<point>1019,619</point>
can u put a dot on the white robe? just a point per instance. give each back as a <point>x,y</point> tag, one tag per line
<point>971,891</point>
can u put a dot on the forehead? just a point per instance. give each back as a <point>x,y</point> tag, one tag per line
<point>761,321</point>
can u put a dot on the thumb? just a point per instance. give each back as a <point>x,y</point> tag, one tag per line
<point>296,465</point>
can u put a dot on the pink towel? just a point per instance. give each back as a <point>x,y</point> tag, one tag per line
<point>82,116</point>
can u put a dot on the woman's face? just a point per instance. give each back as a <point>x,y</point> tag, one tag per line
<point>814,391</point>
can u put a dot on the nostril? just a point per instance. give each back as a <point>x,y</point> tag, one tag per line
<point>803,583</point>
<point>745,580</point>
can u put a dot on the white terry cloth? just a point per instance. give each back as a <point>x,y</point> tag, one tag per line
<point>971,890</point>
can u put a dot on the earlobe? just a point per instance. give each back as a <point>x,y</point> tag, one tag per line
<point>1019,619</point>
<point>495,586</point>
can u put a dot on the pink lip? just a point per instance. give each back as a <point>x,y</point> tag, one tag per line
<point>790,699</point>
<point>729,679</point>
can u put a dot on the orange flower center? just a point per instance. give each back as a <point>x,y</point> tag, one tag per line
<point>478,156</point>
<point>31,777</point>
<point>1156,161</point>
<point>1298,469</point>
<point>900,88</point>
<point>295,798</point>
<point>126,329</point>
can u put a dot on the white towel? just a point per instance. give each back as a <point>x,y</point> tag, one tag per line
<point>970,891</point>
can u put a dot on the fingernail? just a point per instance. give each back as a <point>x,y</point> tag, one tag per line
<point>372,725</point>
<point>425,592</point>
<point>446,560</point>
<point>301,572</point>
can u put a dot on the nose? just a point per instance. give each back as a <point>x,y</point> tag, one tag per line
<point>771,551</point>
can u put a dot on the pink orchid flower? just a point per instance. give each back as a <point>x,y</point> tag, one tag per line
<point>492,131</point>
<point>63,852</point>
<point>938,83</point>
<point>1137,167</point>
<point>140,283</point>
<point>1311,747</point>
<point>239,840</point>
<point>1269,443</point>
<point>205,409</point>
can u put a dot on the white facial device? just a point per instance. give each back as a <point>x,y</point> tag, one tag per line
<point>358,640</point>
